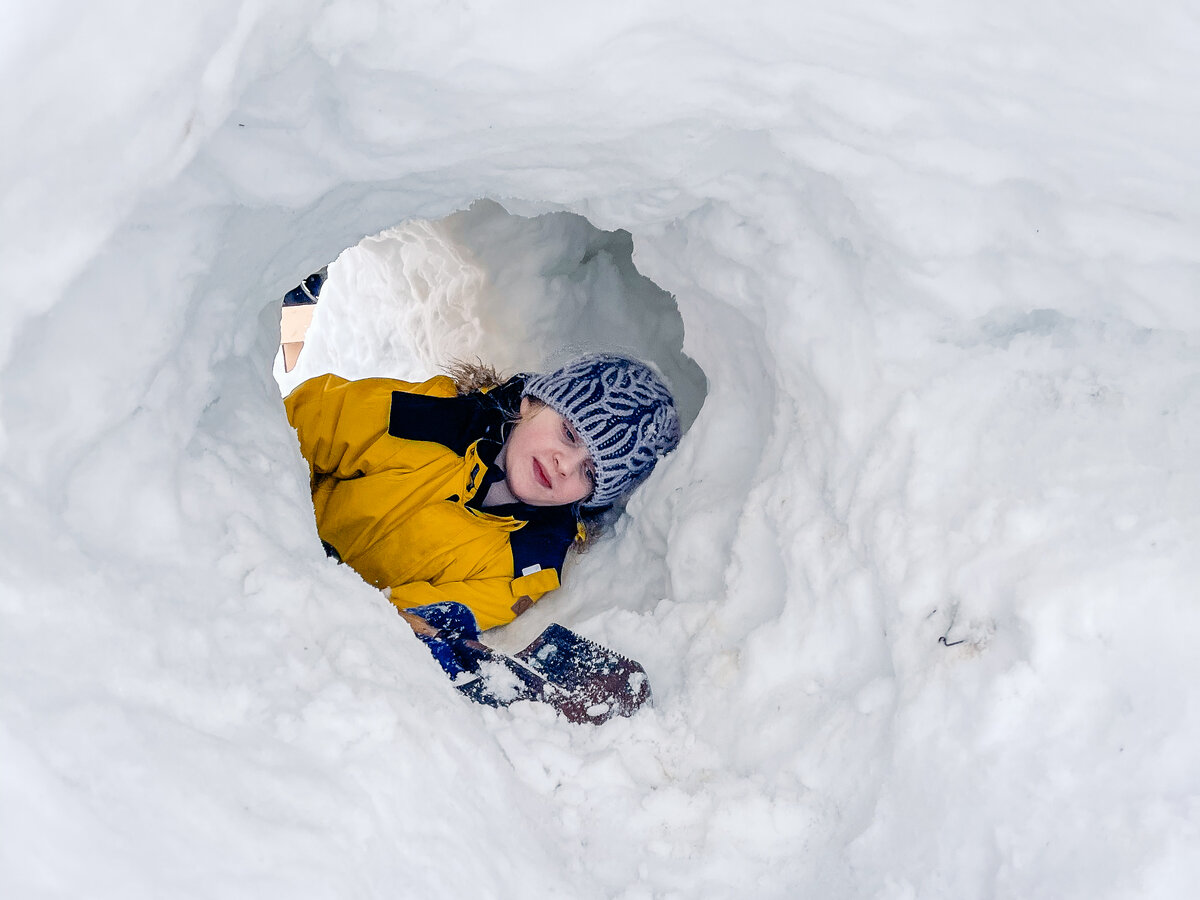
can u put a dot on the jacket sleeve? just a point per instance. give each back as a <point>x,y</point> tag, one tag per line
<point>343,425</point>
<point>490,599</point>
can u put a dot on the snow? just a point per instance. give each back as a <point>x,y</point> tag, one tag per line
<point>916,595</point>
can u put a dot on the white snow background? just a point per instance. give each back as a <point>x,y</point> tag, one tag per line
<point>918,594</point>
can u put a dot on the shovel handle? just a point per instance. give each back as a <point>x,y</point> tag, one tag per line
<point>417,624</point>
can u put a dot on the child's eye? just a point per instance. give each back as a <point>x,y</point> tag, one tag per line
<point>589,468</point>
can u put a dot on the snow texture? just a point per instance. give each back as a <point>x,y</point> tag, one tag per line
<point>917,594</point>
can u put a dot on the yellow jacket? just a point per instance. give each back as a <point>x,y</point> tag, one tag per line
<point>398,472</point>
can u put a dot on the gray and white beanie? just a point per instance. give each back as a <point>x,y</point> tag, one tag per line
<point>622,411</point>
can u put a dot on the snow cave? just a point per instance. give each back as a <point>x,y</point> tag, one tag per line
<point>917,592</point>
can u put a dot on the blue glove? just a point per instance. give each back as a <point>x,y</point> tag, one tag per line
<point>453,619</point>
<point>456,625</point>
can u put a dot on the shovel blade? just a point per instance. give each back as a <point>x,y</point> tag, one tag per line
<point>586,682</point>
<point>581,679</point>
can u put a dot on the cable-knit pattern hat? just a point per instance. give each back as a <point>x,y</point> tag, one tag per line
<point>622,411</point>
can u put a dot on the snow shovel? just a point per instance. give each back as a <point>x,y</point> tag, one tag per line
<point>581,679</point>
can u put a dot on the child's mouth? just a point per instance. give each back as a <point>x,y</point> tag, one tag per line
<point>542,478</point>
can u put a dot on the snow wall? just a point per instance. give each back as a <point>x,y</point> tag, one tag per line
<point>917,594</point>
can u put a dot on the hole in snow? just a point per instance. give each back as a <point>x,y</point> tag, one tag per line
<point>522,294</point>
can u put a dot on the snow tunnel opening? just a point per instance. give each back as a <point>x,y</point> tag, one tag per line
<point>521,293</point>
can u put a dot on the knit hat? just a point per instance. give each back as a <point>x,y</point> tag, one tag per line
<point>622,411</point>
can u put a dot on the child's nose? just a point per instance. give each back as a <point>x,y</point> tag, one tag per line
<point>570,460</point>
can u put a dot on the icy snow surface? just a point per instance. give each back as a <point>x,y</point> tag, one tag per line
<point>917,594</point>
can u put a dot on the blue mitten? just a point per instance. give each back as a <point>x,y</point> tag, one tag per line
<point>456,625</point>
<point>454,619</point>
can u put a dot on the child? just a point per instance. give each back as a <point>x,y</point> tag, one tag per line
<point>474,494</point>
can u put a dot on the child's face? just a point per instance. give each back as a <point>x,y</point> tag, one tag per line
<point>545,462</point>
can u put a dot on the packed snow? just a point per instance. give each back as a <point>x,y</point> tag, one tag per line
<point>917,594</point>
